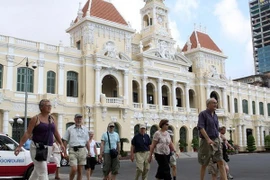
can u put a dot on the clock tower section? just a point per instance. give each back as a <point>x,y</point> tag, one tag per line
<point>155,26</point>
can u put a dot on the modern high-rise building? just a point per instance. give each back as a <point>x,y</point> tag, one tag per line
<point>260,28</point>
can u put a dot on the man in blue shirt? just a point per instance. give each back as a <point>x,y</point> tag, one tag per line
<point>110,164</point>
<point>210,145</point>
<point>140,145</point>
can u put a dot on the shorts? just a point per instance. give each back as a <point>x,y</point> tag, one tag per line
<point>206,152</point>
<point>173,159</point>
<point>110,165</point>
<point>77,157</point>
<point>90,163</point>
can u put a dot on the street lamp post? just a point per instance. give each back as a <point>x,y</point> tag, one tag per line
<point>34,66</point>
<point>231,130</point>
<point>18,120</point>
<point>89,116</point>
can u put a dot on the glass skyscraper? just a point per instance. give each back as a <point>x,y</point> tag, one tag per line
<point>260,27</point>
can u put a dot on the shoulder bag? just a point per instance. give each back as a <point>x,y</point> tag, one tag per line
<point>41,150</point>
<point>113,152</point>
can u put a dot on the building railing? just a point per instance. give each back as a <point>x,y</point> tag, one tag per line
<point>167,108</point>
<point>152,106</point>
<point>194,110</point>
<point>181,109</point>
<point>115,101</point>
<point>137,105</point>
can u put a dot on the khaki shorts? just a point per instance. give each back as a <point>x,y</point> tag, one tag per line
<point>77,157</point>
<point>206,152</point>
<point>110,165</point>
<point>213,167</point>
<point>142,160</point>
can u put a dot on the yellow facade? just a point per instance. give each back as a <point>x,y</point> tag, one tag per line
<point>130,79</point>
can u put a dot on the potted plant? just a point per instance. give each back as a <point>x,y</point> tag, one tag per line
<point>267,142</point>
<point>195,144</point>
<point>251,143</point>
<point>182,144</point>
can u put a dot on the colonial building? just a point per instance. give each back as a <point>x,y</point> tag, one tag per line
<point>111,73</point>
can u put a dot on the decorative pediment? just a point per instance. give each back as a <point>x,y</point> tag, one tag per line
<point>169,56</point>
<point>109,50</point>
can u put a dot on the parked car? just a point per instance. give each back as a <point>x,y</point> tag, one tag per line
<point>21,166</point>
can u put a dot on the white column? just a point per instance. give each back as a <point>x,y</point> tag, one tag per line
<point>224,99</point>
<point>240,105</point>
<point>257,105</point>
<point>10,60</point>
<point>60,124</point>
<point>173,96</point>
<point>265,109</point>
<point>126,86</point>
<point>61,79</point>
<point>240,135</point>
<point>41,76</point>
<point>144,92</point>
<point>207,90</point>
<point>160,94</point>
<point>258,136</point>
<point>232,103</point>
<point>250,111</point>
<point>187,98</point>
<point>262,136</point>
<point>97,84</point>
<point>244,135</point>
<point>5,122</point>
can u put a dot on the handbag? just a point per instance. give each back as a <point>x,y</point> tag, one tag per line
<point>41,150</point>
<point>113,152</point>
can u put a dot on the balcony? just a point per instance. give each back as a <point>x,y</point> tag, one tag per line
<point>181,109</point>
<point>117,101</point>
<point>193,110</point>
<point>137,105</point>
<point>167,108</point>
<point>152,106</point>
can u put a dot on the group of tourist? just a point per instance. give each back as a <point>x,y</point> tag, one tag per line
<point>83,152</point>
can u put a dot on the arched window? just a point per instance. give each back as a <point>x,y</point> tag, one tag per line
<point>72,84</point>
<point>69,124</point>
<point>136,129</point>
<point>21,76</point>
<point>1,75</point>
<point>245,106</point>
<point>51,82</point>
<point>235,105</point>
<point>268,109</point>
<point>261,108</point>
<point>152,131</point>
<point>253,108</point>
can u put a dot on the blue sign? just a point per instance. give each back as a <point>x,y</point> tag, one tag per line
<point>11,161</point>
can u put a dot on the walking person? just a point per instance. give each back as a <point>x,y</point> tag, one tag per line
<point>91,160</point>
<point>56,153</point>
<point>140,146</point>
<point>42,128</point>
<point>110,146</point>
<point>173,158</point>
<point>210,145</point>
<point>77,137</point>
<point>162,147</point>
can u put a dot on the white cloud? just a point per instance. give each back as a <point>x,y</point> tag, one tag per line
<point>233,23</point>
<point>130,10</point>
<point>186,8</point>
<point>176,34</point>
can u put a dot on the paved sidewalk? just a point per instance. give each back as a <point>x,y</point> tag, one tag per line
<point>188,155</point>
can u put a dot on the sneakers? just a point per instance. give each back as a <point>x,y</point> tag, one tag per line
<point>229,176</point>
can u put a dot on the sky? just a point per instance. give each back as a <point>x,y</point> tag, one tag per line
<point>227,22</point>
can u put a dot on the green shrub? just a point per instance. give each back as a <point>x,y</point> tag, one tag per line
<point>195,143</point>
<point>251,143</point>
<point>182,143</point>
<point>267,142</point>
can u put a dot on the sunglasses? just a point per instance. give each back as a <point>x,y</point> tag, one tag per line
<point>111,126</point>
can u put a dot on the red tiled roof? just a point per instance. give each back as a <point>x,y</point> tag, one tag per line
<point>204,40</point>
<point>104,10</point>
